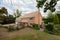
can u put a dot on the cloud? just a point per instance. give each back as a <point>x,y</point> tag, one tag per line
<point>7,1</point>
<point>25,6</point>
<point>58,6</point>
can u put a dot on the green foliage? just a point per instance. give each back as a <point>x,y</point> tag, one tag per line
<point>8,19</point>
<point>53,18</point>
<point>17,28</point>
<point>40,3</point>
<point>50,6</point>
<point>50,32</point>
<point>50,27</point>
<point>1,21</point>
<point>58,14</point>
<point>0,25</point>
<point>5,18</point>
<point>35,26</point>
<point>3,13</point>
<point>56,19</point>
<point>17,13</point>
<point>47,5</point>
<point>57,27</point>
<point>55,30</point>
<point>50,14</point>
<point>45,20</point>
<point>10,28</point>
<point>3,10</point>
<point>50,17</point>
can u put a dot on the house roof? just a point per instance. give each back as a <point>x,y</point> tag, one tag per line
<point>32,14</point>
<point>29,15</point>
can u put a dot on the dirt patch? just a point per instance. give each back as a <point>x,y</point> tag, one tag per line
<point>5,33</point>
<point>26,33</point>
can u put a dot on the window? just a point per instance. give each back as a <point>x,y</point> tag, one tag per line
<point>31,18</point>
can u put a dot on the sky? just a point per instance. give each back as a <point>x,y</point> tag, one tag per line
<point>26,6</point>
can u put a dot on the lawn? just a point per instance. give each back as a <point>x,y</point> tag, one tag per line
<point>27,34</point>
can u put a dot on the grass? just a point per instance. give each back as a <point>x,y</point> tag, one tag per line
<point>29,34</point>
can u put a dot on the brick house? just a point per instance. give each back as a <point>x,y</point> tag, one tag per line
<point>30,18</point>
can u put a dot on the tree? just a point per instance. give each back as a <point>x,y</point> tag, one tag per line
<point>58,14</point>
<point>17,13</point>
<point>3,10</point>
<point>56,19</point>
<point>47,5</point>
<point>4,17</point>
<point>40,3</point>
<point>50,6</point>
<point>50,16</point>
<point>9,19</point>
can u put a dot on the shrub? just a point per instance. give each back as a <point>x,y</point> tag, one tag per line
<point>35,26</point>
<point>50,32</point>
<point>53,29</point>
<point>10,28</point>
<point>49,27</point>
<point>57,29</point>
<point>46,21</point>
<point>57,26</point>
<point>0,25</point>
<point>17,28</point>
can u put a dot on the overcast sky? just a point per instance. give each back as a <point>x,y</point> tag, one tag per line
<point>25,6</point>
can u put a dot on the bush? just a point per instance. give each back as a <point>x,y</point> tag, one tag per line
<point>53,29</point>
<point>10,28</point>
<point>0,25</point>
<point>57,29</point>
<point>49,27</point>
<point>50,32</point>
<point>57,26</point>
<point>35,26</point>
<point>17,28</point>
